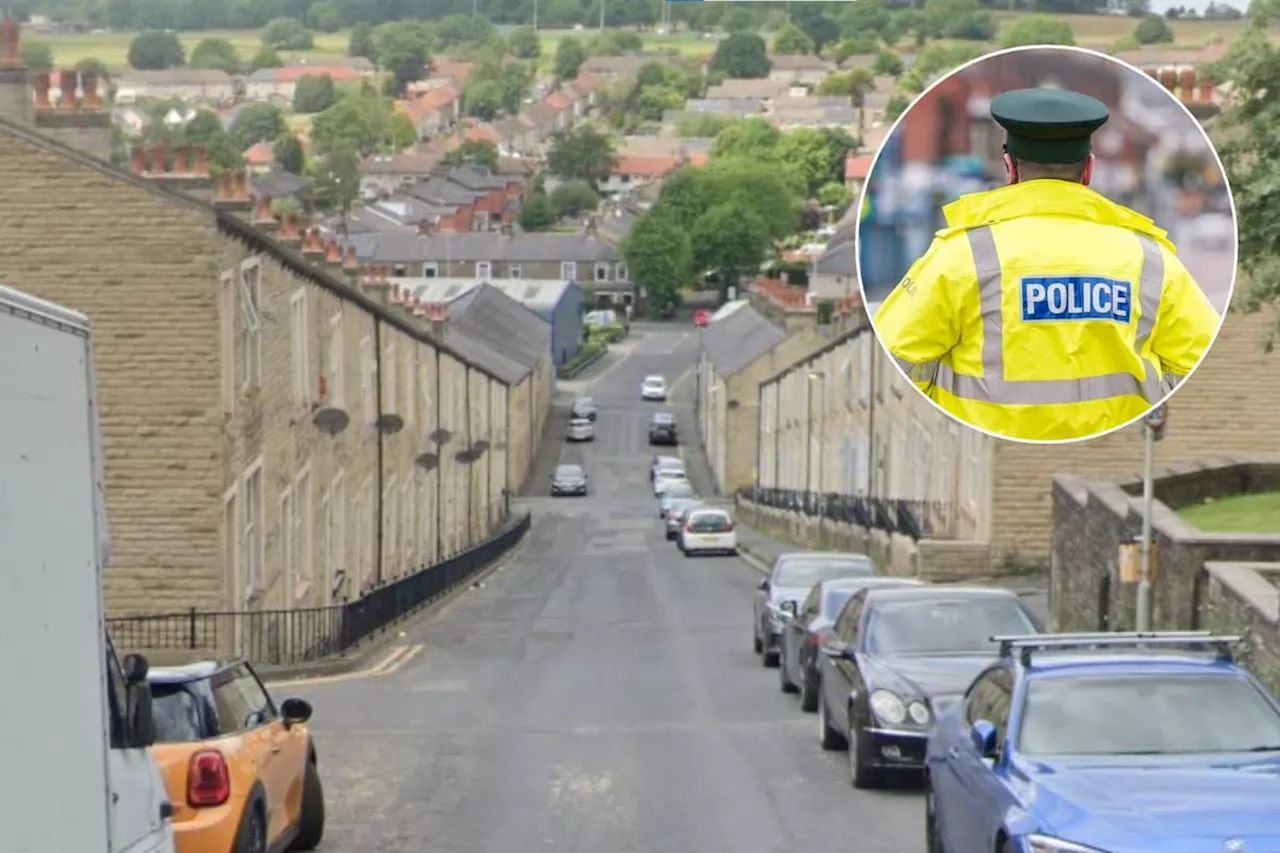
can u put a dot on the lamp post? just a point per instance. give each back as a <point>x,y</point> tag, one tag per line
<point>816,376</point>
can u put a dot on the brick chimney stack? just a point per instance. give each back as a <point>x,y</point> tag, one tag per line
<point>231,192</point>
<point>180,167</point>
<point>375,282</point>
<point>15,91</point>
<point>77,118</point>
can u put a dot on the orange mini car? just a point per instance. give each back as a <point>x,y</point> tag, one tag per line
<point>241,772</point>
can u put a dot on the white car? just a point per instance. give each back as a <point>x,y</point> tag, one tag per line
<point>653,388</point>
<point>581,429</point>
<point>708,531</point>
<point>666,478</point>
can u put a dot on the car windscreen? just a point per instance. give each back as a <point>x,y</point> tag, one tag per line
<point>941,626</point>
<point>678,489</point>
<point>568,472</point>
<point>1165,714</point>
<point>667,464</point>
<point>176,712</point>
<point>710,522</point>
<point>833,600</point>
<point>654,381</point>
<point>663,420</point>
<point>807,571</point>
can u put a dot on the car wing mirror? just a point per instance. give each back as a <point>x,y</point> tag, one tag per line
<point>983,736</point>
<point>764,585</point>
<point>295,711</point>
<point>835,650</point>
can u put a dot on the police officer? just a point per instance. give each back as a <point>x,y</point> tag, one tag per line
<point>1045,311</point>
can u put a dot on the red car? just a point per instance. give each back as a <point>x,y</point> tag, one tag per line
<point>702,317</point>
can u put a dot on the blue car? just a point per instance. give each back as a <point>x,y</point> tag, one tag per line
<point>1107,743</point>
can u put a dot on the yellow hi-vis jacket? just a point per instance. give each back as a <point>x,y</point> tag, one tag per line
<point>1046,312</point>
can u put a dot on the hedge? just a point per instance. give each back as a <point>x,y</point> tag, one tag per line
<point>589,354</point>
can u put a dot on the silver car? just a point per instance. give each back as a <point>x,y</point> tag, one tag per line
<point>675,513</point>
<point>581,429</point>
<point>790,580</point>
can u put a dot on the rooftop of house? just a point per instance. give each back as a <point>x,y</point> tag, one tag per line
<point>484,246</point>
<point>539,295</point>
<point>175,77</point>
<point>839,259</point>
<point>734,341</point>
<point>358,62</point>
<point>747,88</point>
<point>502,324</point>
<point>337,72</point>
<point>455,70</point>
<point>281,184</point>
<point>656,165</point>
<point>400,164</point>
<point>857,167</point>
<point>628,64</point>
<point>260,154</point>
<point>799,62</point>
<point>742,105</point>
<point>558,101</point>
<point>428,102</point>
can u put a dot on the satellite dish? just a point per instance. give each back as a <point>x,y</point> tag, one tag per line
<point>427,461</point>
<point>732,404</point>
<point>389,424</point>
<point>441,436</point>
<point>480,447</point>
<point>464,457</point>
<point>331,421</point>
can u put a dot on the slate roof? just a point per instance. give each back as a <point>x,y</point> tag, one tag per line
<point>497,321</point>
<point>281,184</point>
<point>500,365</point>
<point>734,342</point>
<point>484,246</point>
<point>839,259</point>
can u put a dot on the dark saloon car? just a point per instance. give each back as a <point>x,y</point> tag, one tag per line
<point>678,514</point>
<point>569,480</point>
<point>583,408</point>
<point>662,429</point>
<point>807,630</point>
<point>898,658</point>
<point>790,579</point>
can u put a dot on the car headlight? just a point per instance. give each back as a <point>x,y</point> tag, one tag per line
<point>919,713</point>
<point>888,708</point>
<point>1048,844</point>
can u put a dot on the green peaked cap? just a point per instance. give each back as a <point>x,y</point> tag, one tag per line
<point>1048,125</point>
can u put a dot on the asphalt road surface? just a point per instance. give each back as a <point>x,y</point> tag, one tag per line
<point>597,693</point>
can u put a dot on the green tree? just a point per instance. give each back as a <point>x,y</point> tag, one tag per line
<point>314,93</point>
<point>357,121</point>
<point>958,19</point>
<point>338,179</point>
<point>288,154</point>
<point>570,54</point>
<point>37,55</point>
<point>215,53</point>
<point>1039,29</point>
<point>888,63</point>
<point>615,43</point>
<point>479,152</point>
<point>404,53</point>
<point>287,34</point>
<point>361,41</point>
<point>525,43</point>
<point>738,19</point>
<point>659,256</point>
<point>792,40</point>
<point>864,17</point>
<point>583,154</point>
<point>536,214</point>
<point>751,137</point>
<point>573,198</point>
<point>741,55</point>
<point>1153,29</point>
<point>325,16</point>
<point>93,65</point>
<point>483,99</point>
<point>835,195</point>
<point>808,152</point>
<point>400,131</point>
<point>154,51</point>
<point>701,125</point>
<point>731,239</point>
<point>257,122</point>
<point>854,83</point>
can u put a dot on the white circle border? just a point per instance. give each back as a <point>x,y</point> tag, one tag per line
<point>1235,242</point>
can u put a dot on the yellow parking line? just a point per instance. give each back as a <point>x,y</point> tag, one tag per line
<point>400,663</point>
<point>389,660</point>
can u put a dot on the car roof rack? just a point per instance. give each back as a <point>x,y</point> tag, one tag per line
<point>1026,644</point>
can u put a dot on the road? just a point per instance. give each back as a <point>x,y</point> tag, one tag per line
<point>597,693</point>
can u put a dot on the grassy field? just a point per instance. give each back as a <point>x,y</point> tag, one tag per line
<point>1257,513</point>
<point>1096,31</point>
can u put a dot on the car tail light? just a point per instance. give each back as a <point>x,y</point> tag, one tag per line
<point>688,528</point>
<point>728,528</point>
<point>208,779</point>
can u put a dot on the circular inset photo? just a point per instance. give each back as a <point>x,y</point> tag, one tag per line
<point>1047,243</point>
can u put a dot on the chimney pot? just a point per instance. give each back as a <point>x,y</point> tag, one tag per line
<point>201,167</point>
<point>43,83</point>
<point>240,185</point>
<point>1188,84</point>
<point>180,157</point>
<point>311,243</point>
<point>262,213</point>
<point>332,252</point>
<point>10,55</point>
<point>289,227</point>
<point>1204,92</point>
<point>67,81</point>
<point>91,102</point>
<point>159,160</point>
<point>138,160</point>
<point>349,262</point>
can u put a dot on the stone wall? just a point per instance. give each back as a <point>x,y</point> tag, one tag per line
<point>1202,580</point>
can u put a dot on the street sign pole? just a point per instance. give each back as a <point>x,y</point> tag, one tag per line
<point>1152,431</point>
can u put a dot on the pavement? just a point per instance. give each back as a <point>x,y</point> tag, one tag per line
<point>595,692</point>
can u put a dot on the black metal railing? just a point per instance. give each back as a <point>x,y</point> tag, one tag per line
<point>915,518</point>
<point>286,637</point>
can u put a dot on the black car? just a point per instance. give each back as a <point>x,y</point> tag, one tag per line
<point>807,628</point>
<point>583,407</point>
<point>900,657</point>
<point>569,480</point>
<point>662,429</point>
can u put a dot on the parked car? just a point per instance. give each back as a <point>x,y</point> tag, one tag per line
<point>805,630</point>
<point>678,515</point>
<point>241,771</point>
<point>581,429</point>
<point>708,531</point>
<point>660,463</point>
<point>670,478</point>
<point>583,408</point>
<point>790,578</point>
<point>662,429</point>
<point>702,318</point>
<point>569,480</point>
<point>898,659</point>
<point>653,388</point>
<point>672,497</point>
<point>1084,742</point>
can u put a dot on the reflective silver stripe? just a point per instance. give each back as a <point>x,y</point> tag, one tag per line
<point>926,372</point>
<point>992,387</point>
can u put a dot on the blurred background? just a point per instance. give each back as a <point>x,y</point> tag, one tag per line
<point>1151,156</point>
